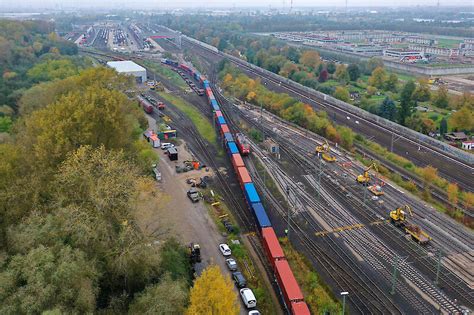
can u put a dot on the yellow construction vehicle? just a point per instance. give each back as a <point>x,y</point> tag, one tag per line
<point>324,150</point>
<point>399,218</point>
<point>365,178</point>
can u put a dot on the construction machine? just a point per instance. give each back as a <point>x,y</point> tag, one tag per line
<point>365,178</point>
<point>399,218</point>
<point>324,150</point>
<point>195,253</point>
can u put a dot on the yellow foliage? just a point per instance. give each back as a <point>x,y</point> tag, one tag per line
<point>213,294</point>
<point>452,192</point>
<point>251,96</point>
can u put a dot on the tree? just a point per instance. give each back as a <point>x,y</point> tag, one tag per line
<point>274,63</point>
<point>373,64</point>
<point>347,137</point>
<point>323,76</point>
<point>463,119</point>
<point>441,99</point>
<point>354,71</point>
<point>392,83</point>
<point>468,199</point>
<point>166,297</point>
<point>388,109</point>
<point>288,69</point>
<point>341,74</point>
<point>453,192</point>
<point>378,77</point>
<point>443,126</point>
<point>429,175</point>
<point>52,69</point>
<point>251,96</point>
<point>310,58</point>
<point>331,67</point>
<point>175,261</point>
<point>406,103</point>
<point>213,294</point>
<point>422,92</point>
<point>342,94</point>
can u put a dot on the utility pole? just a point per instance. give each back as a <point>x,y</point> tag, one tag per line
<point>438,267</point>
<point>394,275</point>
<point>344,294</point>
<point>319,177</point>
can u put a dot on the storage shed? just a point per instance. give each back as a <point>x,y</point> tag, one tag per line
<point>130,68</point>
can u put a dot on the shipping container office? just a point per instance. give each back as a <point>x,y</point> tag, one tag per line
<point>237,161</point>
<point>299,308</point>
<point>228,136</point>
<point>243,176</point>
<point>251,194</point>
<point>261,216</point>
<point>272,246</point>
<point>231,148</point>
<point>288,284</point>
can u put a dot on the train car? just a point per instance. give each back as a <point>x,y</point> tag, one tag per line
<point>251,194</point>
<point>218,113</point>
<point>197,76</point>
<point>223,129</point>
<point>237,161</point>
<point>232,148</point>
<point>260,216</point>
<point>299,308</point>
<point>228,137</point>
<point>242,143</point>
<point>271,245</point>
<point>205,84</point>
<point>243,176</point>
<point>147,106</point>
<point>221,121</point>
<point>288,285</point>
<point>185,68</point>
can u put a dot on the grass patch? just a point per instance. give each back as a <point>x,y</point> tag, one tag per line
<point>166,72</point>
<point>203,125</point>
<point>317,294</point>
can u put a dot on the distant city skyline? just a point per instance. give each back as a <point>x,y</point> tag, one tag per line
<point>150,4</point>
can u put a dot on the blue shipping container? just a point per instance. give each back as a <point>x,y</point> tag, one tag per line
<point>261,215</point>
<point>228,137</point>
<point>251,194</point>
<point>206,84</point>
<point>232,148</point>
<point>221,120</point>
<point>215,108</point>
<point>197,75</point>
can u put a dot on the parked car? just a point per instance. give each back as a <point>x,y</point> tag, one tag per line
<point>231,264</point>
<point>239,279</point>
<point>254,312</point>
<point>248,298</point>
<point>166,145</point>
<point>225,249</point>
<point>193,195</point>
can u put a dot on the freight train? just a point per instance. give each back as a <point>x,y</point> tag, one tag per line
<point>289,288</point>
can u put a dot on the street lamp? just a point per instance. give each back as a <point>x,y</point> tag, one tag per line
<point>344,301</point>
<point>289,214</point>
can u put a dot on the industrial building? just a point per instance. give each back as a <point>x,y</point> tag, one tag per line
<point>130,68</point>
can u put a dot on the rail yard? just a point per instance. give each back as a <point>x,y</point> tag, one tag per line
<point>391,251</point>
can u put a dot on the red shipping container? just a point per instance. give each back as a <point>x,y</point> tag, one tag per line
<point>224,129</point>
<point>218,114</point>
<point>237,161</point>
<point>299,308</point>
<point>271,245</point>
<point>288,284</point>
<point>243,175</point>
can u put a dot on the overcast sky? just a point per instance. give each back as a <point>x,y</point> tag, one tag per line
<point>156,4</point>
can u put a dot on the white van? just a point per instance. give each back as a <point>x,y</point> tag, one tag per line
<point>248,298</point>
<point>166,145</point>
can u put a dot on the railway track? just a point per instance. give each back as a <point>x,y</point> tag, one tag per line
<point>421,160</point>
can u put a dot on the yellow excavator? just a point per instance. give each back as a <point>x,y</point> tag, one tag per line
<point>399,218</point>
<point>365,178</point>
<point>324,150</point>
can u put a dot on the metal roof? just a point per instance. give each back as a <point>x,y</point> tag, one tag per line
<point>125,66</point>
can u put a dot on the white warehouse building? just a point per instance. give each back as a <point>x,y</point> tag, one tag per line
<point>130,68</point>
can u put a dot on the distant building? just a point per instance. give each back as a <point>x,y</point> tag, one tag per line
<point>456,136</point>
<point>468,145</point>
<point>403,54</point>
<point>130,68</point>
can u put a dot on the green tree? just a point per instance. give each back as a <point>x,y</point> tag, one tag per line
<point>342,94</point>
<point>388,109</point>
<point>422,92</point>
<point>341,74</point>
<point>175,261</point>
<point>463,119</point>
<point>53,69</point>
<point>406,102</point>
<point>354,71</point>
<point>331,67</point>
<point>213,293</point>
<point>166,297</point>
<point>373,64</point>
<point>443,126</point>
<point>378,78</point>
<point>347,137</point>
<point>441,99</point>
<point>392,83</point>
<point>310,58</point>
